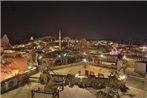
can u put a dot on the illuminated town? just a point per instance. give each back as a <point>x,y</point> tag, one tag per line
<point>59,66</point>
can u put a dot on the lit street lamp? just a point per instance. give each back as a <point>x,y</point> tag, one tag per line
<point>102,55</point>
<point>85,65</point>
<point>84,60</point>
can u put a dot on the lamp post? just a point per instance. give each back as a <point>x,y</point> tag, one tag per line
<point>85,66</point>
<point>121,68</point>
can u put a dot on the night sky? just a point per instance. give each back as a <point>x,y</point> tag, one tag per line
<point>92,20</point>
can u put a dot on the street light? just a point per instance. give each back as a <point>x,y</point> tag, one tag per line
<point>124,57</point>
<point>40,57</point>
<point>29,67</point>
<point>123,77</point>
<point>65,54</point>
<point>102,55</point>
<point>3,62</point>
<point>77,75</point>
<point>59,56</point>
<point>84,60</point>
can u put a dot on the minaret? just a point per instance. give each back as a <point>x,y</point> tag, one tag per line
<point>59,39</point>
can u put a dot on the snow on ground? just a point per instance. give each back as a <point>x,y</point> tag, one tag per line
<point>136,86</point>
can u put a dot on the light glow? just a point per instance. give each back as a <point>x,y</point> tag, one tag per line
<point>102,55</point>
<point>77,75</point>
<point>124,57</point>
<point>84,60</point>
<point>29,67</point>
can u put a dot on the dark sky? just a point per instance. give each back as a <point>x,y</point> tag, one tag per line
<point>93,20</point>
